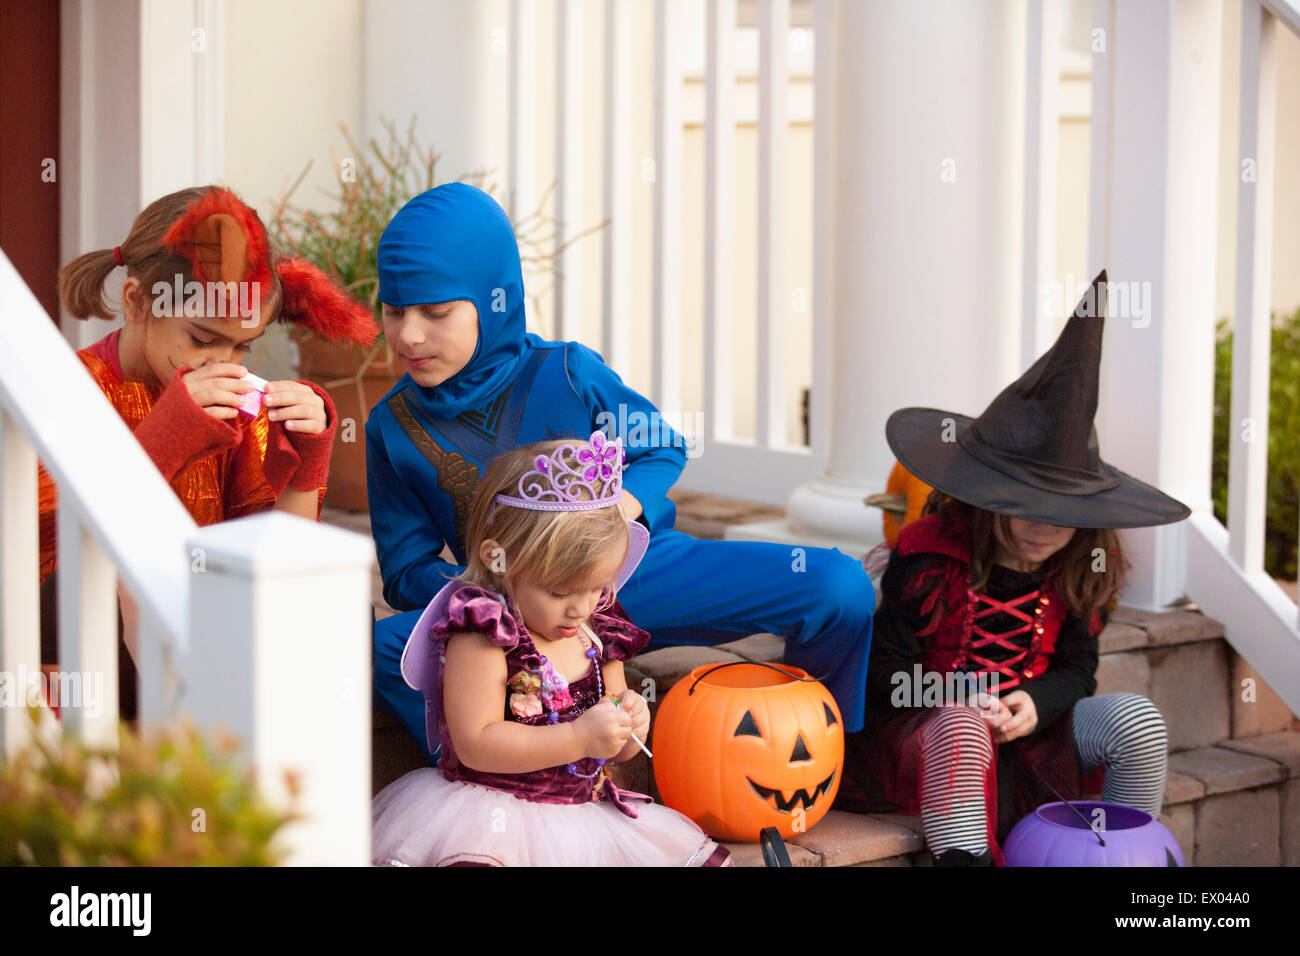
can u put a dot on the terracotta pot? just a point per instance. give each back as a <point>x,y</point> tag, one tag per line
<point>336,369</point>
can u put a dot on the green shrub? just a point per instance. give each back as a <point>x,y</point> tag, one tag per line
<point>168,799</point>
<point>1282,522</point>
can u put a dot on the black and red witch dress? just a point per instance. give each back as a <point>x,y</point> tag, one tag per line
<point>1016,627</point>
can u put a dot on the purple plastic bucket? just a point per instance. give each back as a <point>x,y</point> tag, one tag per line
<point>1054,835</point>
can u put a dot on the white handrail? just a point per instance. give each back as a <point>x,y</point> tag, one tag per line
<point>101,471</point>
<point>1259,617</point>
<point>1286,12</point>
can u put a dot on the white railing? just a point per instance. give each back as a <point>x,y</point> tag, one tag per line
<point>1225,567</point>
<point>1151,214</point>
<point>773,465</point>
<point>260,625</point>
<point>1135,209</point>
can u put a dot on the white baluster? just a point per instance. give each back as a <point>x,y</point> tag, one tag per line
<point>1252,327</point>
<point>616,319</point>
<point>773,291</point>
<point>1101,123</point>
<point>88,634</point>
<point>20,638</point>
<point>666,321</point>
<point>719,219</point>
<point>568,166</point>
<point>1042,123</point>
<point>824,157</point>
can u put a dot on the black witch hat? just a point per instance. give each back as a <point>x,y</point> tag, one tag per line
<point>1033,453</point>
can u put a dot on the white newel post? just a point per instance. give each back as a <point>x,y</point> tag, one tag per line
<point>280,656</point>
<point>1156,409</point>
<point>925,238</point>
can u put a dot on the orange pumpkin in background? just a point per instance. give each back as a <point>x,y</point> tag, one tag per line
<point>914,492</point>
<point>743,746</point>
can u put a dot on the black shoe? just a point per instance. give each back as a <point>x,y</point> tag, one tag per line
<point>963,858</point>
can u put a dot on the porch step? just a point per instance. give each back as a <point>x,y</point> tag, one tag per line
<point>1233,805</point>
<point>1237,803</point>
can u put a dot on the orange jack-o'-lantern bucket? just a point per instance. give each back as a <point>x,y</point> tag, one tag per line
<point>742,746</point>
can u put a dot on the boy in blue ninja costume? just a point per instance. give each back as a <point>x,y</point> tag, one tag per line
<point>476,385</point>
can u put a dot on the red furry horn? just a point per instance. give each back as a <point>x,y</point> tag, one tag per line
<point>314,301</point>
<point>223,239</point>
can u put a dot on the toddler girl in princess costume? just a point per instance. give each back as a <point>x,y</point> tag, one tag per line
<point>520,660</point>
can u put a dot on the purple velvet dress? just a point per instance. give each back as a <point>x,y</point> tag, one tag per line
<point>552,816</point>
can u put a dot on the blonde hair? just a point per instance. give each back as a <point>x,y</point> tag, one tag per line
<point>548,549</point>
<point>81,281</point>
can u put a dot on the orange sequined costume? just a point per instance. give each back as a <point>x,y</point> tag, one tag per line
<point>215,487</point>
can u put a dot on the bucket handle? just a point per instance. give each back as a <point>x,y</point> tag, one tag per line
<point>1038,769</point>
<point>756,664</point>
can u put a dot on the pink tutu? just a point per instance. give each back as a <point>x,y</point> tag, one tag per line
<point>424,819</point>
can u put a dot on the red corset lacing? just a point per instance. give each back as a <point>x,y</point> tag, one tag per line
<point>975,637</point>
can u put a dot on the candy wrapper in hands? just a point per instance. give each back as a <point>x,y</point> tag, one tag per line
<point>252,403</point>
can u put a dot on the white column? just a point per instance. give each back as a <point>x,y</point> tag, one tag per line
<point>925,237</point>
<point>447,63</point>
<point>141,115</point>
<point>280,656</point>
<point>99,136</point>
<point>1157,380</point>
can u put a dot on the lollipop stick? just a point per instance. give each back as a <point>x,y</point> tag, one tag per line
<point>644,749</point>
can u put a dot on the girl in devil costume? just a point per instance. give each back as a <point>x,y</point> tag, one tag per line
<point>173,371</point>
<point>1006,582</point>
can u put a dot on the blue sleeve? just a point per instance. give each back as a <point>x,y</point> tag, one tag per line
<point>407,540</point>
<point>656,454</point>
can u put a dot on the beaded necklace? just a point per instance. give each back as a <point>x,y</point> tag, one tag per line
<point>550,677</point>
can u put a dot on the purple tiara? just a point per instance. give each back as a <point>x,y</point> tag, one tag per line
<point>575,477</point>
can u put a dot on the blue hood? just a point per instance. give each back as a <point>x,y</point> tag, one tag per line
<point>450,243</point>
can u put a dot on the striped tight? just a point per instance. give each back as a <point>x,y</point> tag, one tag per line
<point>1122,732</point>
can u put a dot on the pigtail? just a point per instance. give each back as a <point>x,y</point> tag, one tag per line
<point>81,284</point>
<point>81,281</point>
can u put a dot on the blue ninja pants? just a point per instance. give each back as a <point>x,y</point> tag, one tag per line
<point>693,591</point>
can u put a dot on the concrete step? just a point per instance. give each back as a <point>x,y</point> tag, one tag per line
<point>1237,803</point>
<point>1233,805</point>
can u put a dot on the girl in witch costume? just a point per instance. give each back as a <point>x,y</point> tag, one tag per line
<point>520,660</point>
<point>202,284</point>
<point>1005,584</point>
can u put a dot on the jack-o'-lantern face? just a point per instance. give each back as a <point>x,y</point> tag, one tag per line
<point>800,757</point>
<point>747,748</point>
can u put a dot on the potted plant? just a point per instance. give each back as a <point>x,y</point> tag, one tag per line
<point>374,183</point>
<point>170,798</point>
